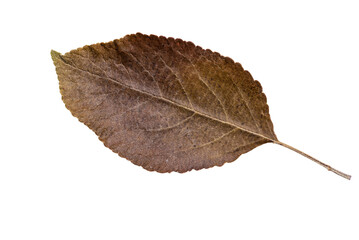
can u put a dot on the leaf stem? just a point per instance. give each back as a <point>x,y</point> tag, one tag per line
<point>314,160</point>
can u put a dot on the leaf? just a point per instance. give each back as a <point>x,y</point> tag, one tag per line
<point>166,104</point>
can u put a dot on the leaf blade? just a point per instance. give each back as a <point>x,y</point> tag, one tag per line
<point>212,129</point>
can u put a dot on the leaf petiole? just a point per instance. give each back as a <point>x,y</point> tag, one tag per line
<point>329,168</point>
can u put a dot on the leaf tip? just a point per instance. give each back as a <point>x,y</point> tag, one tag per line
<point>55,55</point>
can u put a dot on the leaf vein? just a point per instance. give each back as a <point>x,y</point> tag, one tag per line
<point>210,142</point>
<point>173,126</point>
<point>169,101</point>
<point>201,79</point>
<point>148,72</point>
<point>179,80</point>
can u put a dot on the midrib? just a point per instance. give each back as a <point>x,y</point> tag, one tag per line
<point>166,100</point>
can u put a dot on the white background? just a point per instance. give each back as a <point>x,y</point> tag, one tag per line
<point>58,181</point>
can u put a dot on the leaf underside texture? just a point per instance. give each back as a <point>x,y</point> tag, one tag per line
<point>163,103</point>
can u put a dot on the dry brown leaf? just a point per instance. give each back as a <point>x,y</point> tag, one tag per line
<point>166,104</point>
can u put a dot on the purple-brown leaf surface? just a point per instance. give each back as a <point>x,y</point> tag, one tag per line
<point>166,104</point>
